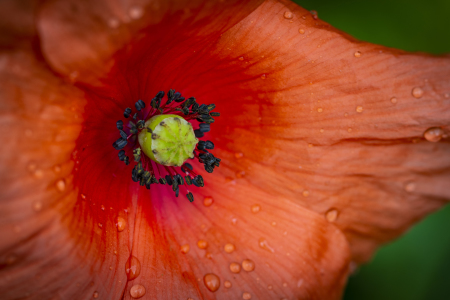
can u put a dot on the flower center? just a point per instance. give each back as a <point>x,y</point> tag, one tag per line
<point>162,138</point>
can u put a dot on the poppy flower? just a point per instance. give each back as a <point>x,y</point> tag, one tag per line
<point>329,147</point>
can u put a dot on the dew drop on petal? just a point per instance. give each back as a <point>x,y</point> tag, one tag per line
<point>61,185</point>
<point>37,206</point>
<point>185,248</point>
<point>241,58</point>
<point>305,193</point>
<point>322,130</point>
<point>121,223</point>
<point>393,100</point>
<point>246,296</point>
<point>202,244</point>
<point>136,12</point>
<point>235,267</point>
<point>285,284</point>
<point>274,223</point>
<point>248,265</point>
<point>208,255</point>
<point>239,155</point>
<point>357,54</point>
<point>288,15</point>
<point>256,208</point>
<point>263,76</point>
<point>100,225</point>
<point>212,282</point>
<point>132,268</point>
<point>229,248</point>
<point>208,201</point>
<point>137,291</point>
<point>417,92</point>
<point>83,196</point>
<point>433,134</point>
<point>95,295</point>
<point>332,215</point>
<point>320,109</point>
<point>349,130</point>
<point>301,30</point>
<point>410,187</point>
<point>113,23</point>
<point>359,109</point>
<point>57,168</point>
<point>102,207</point>
<point>265,245</point>
<point>227,284</point>
<point>269,287</point>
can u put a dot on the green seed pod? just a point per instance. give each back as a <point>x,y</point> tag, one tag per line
<point>170,140</point>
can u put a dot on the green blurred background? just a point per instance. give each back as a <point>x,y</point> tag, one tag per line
<point>416,266</point>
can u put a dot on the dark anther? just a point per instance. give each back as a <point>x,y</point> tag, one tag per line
<point>123,134</point>
<point>199,180</point>
<point>169,180</point>
<point>122,155</point>
<point>185,111</point>
<point>147,186</point>
<point>153,179</point>
<point>135,116</point>
<point>174,185</point>
<point>203,109</point>
<point>190,197</point>
<point>188,180</point>
<point>197,132</point>
<point>195,107</point>
<point>133,130</point>
<point>137,154</point>
<point>140,124</point>
<point>209,145</point>
<point>211,107</point>
<point>119,124</point>
<point>127,112</point>
<point>120,143</point>
<point>177,192</point>
<point>215,114</point>
<point>170,94</point>
<point>209,168</point>
<point>176,97</point>
<point>201,146</point>
<point>189,102</point>
<point>139,105</point>
<point>205,127</point>
<point>162,181</point>
<point>127,160</point>
<point>180,179</point>
<point>160,94</point>
<point>134,175</point>
<point>179,100</point>
<point>194,182</point>
<point>189,166</point>
<point>216,163</point>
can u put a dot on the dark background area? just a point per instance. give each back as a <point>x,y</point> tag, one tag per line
<point>416,266</point>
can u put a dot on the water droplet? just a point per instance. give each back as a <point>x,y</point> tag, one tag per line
<point>269,287</point>
<point>100,225</point>
<point>314,14</point>
<point>320,109</point>
<point>234,221</point>
<point>393,100</point>
<point>305,193</point>
<point>240,174</point>
<point>447,95</point>
<point>208,201</point>
<point>358,54</point>
<point>274,223</point>
<point>229,248</point>
<point>137,291</point>
<point>332,215</point>
<point>61,185</point>
<point>113,23</point>
<point>301,30</point>
<point>246,296</point>
<point>136,12</point>
<point>95,295</point>
<point>349,130</point>
<point>235,267</point>
<point>248,265</point>
<point>288,15</point>
<point>256,208</point>
<point>212,282</point>
<point>241,58</point>
<point>102,207</point>
<point>121,223</point>
<point>57,168</point>
<point>410,187</point>
<point>265,245</point>
<point>285,284</point>
<point>322,130</point>
<point>185,248</point>
<point>417,92</point>
<point>132,268</point>
<point>433,134</point>
<point>263,76</point>
<point>83,196</point>
<point>239,155</point>
<point>359,109</point>
<point>202,244</point>
<point>227,284</point>
<point>208,255</point>
<point>37,206</point>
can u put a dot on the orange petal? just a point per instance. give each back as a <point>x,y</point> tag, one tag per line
<point>342,121</point>
<point>95,31</point>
